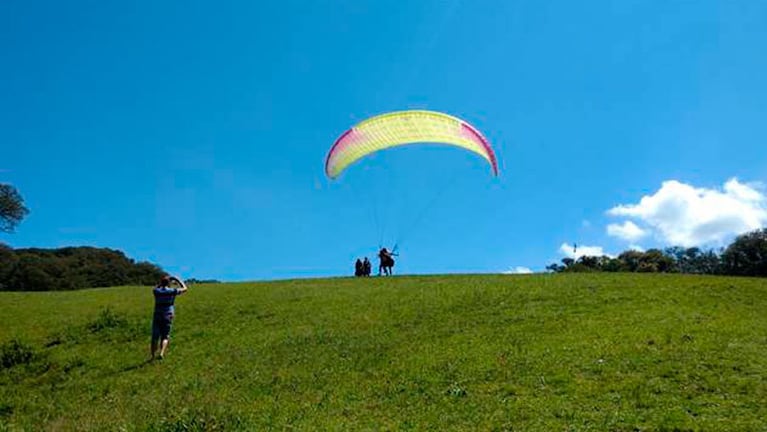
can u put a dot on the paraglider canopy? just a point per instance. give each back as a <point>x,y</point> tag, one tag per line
<point>402,128</point>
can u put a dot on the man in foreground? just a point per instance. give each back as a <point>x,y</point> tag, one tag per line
<point>164,311</point>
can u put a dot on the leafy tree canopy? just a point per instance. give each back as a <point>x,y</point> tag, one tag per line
<point>12,209</point>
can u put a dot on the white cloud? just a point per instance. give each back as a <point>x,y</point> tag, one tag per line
<point>681,214</point>
<point>628,231</point>
<point>571,251</point>
<point>636,247</point>
<point>518,270</point>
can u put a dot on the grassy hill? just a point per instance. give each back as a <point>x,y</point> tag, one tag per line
<point>493,352</point>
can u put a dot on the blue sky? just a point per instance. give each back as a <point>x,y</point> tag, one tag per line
<point>193,134</point>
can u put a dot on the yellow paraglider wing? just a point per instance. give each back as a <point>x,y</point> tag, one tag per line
<point>401,128</point>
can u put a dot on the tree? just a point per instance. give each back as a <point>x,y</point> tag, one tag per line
<point>614,265</point>
<point>653,260</point>
<point>631,260</point>
<point>591,262</point>
<point>680,256</point>
<point>12,209</point>
<point>694,260</point>
<point>747,255</point>
<point>708,262</point>
<point>554,267</point>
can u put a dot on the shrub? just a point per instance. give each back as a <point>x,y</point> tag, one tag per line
<point>107,320</point>
<point>15,353</point>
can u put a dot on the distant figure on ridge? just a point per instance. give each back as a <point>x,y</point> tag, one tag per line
<point>358,268</point>
<point>366,267</point>
<point>386,262</point>
<point>164,311</point>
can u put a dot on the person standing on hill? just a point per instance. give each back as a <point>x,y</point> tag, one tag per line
<point>164,312</point>
<point>366,267</point>
<point>386,262</point>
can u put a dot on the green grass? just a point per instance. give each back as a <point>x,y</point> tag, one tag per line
<point>571,352</point>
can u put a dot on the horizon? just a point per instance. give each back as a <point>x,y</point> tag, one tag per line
<point>195,137</point>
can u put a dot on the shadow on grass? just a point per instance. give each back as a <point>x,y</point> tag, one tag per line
<point>136,366</point>
<point>130,368</point>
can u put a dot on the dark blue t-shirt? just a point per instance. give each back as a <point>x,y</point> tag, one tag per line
<point>164,298</point>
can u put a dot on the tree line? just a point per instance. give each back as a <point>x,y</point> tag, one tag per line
<point>745,256</point>
<point>71,268</point>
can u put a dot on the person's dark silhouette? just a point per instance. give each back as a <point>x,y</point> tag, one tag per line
<point>386,262</point>
<point>366,267</point>
<point>358,268</point>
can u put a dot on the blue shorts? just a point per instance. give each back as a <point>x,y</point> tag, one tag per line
<point>161,325</point>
